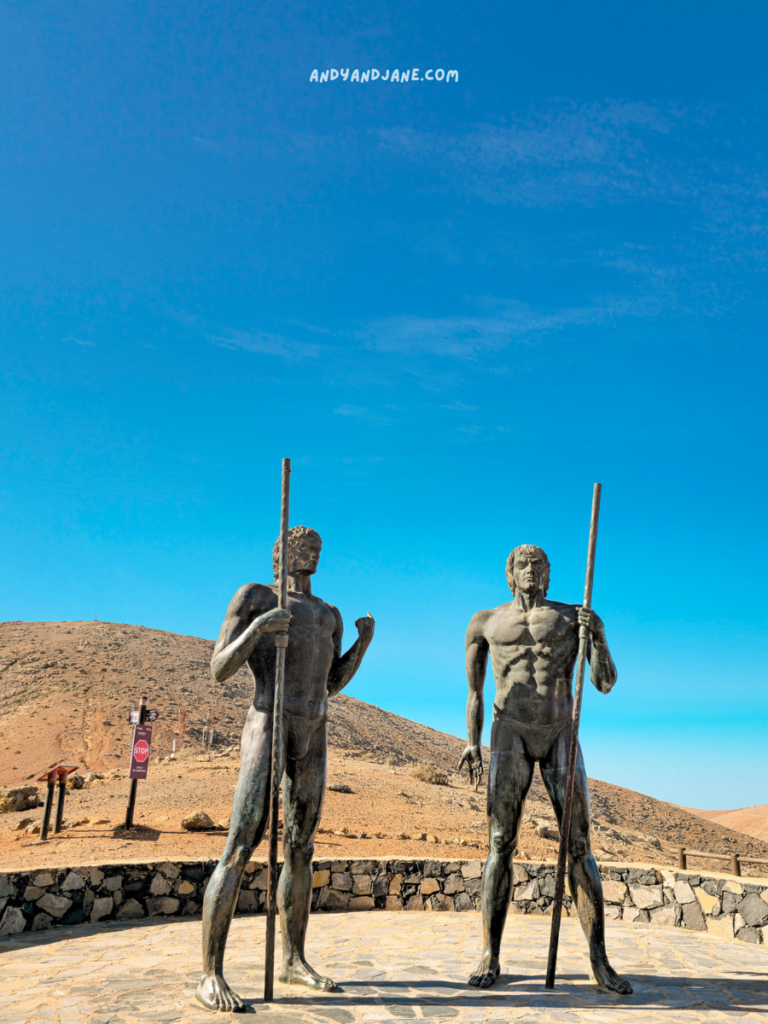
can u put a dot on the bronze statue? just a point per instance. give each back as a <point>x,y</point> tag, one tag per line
<point>314,670</point>
<point>533,645</point>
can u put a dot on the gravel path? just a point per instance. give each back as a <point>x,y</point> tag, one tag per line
<point>390,967</point>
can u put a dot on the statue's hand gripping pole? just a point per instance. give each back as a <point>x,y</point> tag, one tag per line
<point>281,642</point>
<point>573,751</point>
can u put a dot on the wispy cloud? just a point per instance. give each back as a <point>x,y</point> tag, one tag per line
<point>592,154</point>
<point>79,341</point>
<point>314,328</point>
<point>465,337</point>
<point>562,153</point>
<point>360,412</point>
<point>267,344</point>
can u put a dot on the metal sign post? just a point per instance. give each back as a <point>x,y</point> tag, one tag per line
<point>138,741</point>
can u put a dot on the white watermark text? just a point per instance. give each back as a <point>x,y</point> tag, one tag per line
<point>374,75</point>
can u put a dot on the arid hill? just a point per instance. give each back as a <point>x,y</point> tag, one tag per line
<point>66,689</point>
<point>752,821</point>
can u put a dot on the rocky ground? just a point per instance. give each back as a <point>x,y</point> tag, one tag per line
<point>65,692</point>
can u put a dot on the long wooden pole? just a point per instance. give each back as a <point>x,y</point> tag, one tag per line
<point>281,642</point>
<point>573,752</point>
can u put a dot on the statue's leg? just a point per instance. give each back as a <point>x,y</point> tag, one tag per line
<point>250,811</point>
<point>583,872</point>
<point>509,779</point>
<point>303,791</point>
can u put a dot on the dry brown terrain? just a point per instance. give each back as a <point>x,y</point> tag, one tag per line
<point>753,821</point>
<point>65,692</point>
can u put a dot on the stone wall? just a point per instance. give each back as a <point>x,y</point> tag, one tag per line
<point>721,905</point>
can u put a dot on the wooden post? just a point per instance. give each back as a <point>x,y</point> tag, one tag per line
<point>565,826</point>
<point>736,865</point>
<point>182,728</point>
<point>60,802</point>
<point>281,642</point>
<point>47,809</point>
<point>682,860</point>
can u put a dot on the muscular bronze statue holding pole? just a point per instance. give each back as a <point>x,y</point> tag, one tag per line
<point>314,670</point>
<point>533,644</point>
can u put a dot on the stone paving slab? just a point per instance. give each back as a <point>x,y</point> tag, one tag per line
<point>392,967</point>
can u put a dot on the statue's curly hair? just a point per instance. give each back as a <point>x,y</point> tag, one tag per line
<point>296,534</point>
<point>526,549</point>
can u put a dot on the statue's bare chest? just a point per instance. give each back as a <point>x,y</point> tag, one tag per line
<point>309,615</point>
<point>540,628</point>
<point>310,640</point>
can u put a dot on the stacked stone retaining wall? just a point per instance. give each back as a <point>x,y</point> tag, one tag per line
<point>724,906</point>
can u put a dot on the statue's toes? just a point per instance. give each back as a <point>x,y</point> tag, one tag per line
<point>607,978</point>
<point>484,980</point>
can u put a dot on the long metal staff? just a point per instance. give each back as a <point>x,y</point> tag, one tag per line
<point>281,642</point>
<point>573,752</point>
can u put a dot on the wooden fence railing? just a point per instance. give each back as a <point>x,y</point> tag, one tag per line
<point>736,860</point>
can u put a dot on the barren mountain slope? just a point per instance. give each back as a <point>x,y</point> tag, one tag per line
<point>66,688</point>
<point>753,821</point>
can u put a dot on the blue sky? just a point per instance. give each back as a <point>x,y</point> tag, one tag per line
<point>455,305</point>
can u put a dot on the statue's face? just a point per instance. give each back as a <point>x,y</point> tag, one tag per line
<point>529,572</point>
<point>306,556</point>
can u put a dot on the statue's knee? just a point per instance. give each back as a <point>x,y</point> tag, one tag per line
<point>502,845</point>
<point>297,850</point>
<point>578,847</point>
<point>242,855</point>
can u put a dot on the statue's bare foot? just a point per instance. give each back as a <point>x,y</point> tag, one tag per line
<point>607,978</point>
<point>215,994</point>
<point>486,972</point>
<point>298,972</point>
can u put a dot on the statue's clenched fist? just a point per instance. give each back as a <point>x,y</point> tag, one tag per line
<point>365,627</point>
<point>274,621</point>
<point>593,623</point>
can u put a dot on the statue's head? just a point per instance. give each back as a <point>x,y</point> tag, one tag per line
<point>304,547</point>
<point>528,569</point>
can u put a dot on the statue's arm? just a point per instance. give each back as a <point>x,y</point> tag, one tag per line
<point>476,647</point>
<point>248,618</point>
<point>602,670</point>
<point>344,666</point>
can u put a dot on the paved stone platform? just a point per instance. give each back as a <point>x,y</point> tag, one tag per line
<point>390,966</point>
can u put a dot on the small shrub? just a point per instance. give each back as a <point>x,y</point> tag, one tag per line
<point>426,773</point>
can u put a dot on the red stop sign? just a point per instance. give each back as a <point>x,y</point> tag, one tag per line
<point>142,740</point>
